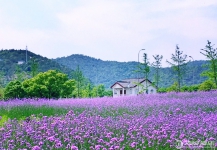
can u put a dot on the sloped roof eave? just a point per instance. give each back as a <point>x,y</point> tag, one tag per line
<point>143,81</point>
<point>116,83</point>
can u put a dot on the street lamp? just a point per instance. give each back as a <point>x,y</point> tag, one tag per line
<point>138,64</point>
<point>192,68</point>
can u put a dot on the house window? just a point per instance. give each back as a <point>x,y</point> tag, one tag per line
<point>152,90</point>
<point>121,92</point>
<point>125,92</point>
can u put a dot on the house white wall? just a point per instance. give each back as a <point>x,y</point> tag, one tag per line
<point>117,93</point>
<point>134,90</point>
<point>116,90</point>
<point>151,88</point>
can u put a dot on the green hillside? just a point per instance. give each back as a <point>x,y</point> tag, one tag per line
<point>98,71</point>
<point>107,72</point>
<point>9,63</point>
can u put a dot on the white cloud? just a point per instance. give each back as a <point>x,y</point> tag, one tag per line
<point>174,5</point>
<point>115,30</point>
<point>105,20</point>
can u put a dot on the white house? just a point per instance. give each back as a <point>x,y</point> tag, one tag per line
<point>129,87</point>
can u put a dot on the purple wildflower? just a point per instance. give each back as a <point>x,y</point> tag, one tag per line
<point>74,147</point>
<point>36,148</point>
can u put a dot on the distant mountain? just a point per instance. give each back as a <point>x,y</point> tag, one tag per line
<point>97,70</point>
<point>9,60</point>
<point>108,72</point>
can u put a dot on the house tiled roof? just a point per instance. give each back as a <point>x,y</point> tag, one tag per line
<point>130,82</point>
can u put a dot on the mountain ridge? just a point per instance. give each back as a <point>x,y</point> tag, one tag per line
<point>123,70</point>
<point>97,70</point>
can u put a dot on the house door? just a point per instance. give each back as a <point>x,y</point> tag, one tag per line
<point>125,92</point>
<point>121,92</point>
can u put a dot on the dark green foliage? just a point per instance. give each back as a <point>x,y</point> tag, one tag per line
<point>78,76</point>
<point>67,88</point>
<point>14,90</point>
<point>162,90</point>
<point>174,87</point>
<point>207,85</point>
<point>211,54</point>
<point>98,71</point>
<point>100,89</point>
<point>144,69</point>
<point>108,93</point>
<point>9,63</point>
<point>179,62</point>
<point>87,90</point>
<point>34,67</point>
<point>108,72</point>
<point>1,93</point>
<point>50,84</point>
<point>192,88</point>
<point>157,65</point>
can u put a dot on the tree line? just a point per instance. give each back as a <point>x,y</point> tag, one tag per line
<point>52,84</point>
<point>55,84</point>
<point>178,63</point>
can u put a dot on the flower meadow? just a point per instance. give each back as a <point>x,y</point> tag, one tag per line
<point>160,121</point>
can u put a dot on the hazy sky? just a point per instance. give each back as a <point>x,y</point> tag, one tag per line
<point>108,29</point>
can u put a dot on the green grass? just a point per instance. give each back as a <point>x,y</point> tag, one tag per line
<point>22,112</point>
<point>3,120</point>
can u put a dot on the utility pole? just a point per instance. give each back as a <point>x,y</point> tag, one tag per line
<point>26,54</point>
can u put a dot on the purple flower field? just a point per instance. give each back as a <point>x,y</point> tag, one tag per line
<point>161,121</point>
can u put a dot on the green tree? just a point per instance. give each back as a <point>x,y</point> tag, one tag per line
<point>87,90</point>
<point>49,84</point>
<point>19,74</point>
<point>1,79</point>
<point>178,64</point>
<point>1,92</point>
<point>34,89</point>
<point>108,93</point>
<point>53,81</point>
<point>206,85</point>
<point>98,91</point>
<point>34,67</point>
<point>68,88</point>
<point>144,69</point>
<point>14,90</point>
<point>174,87</point>
<point>157,66</point>
<point>101,90</point>
<point>185,88</point>
<point>78,76</point>
<point>162,90</point>
<point>211,54</point>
